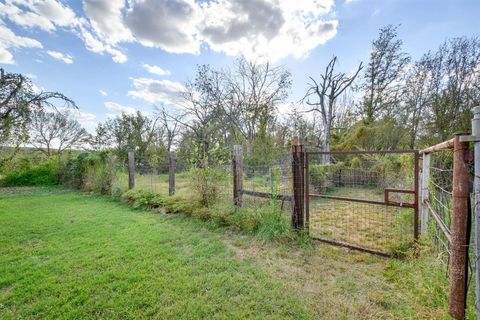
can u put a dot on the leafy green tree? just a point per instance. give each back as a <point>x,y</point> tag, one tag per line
<point>129,132</point>
<point>18,99</point>
<point>383,74</point>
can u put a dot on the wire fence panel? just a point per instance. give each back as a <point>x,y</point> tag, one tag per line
<point>262,184</point>
<point>360,200</point>
<point>441,199</point>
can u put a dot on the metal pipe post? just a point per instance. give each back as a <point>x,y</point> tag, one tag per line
<point>476,136</point>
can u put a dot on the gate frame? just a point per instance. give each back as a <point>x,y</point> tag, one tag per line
<point>415,205</point>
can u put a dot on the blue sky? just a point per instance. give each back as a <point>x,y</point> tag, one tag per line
<point>96,51</point>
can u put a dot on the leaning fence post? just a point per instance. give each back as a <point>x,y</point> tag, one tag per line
<point>297,184</point>
<point>237,165</point>
<point>459,243</point>
<point>171,173</point>
<point>131,170</point>
<point>425,195</point>
<point>476,182</point>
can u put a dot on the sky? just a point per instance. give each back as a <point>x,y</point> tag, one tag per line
<point>114,56</point>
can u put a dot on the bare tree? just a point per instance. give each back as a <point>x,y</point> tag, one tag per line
<point>252,93</point>
<point>326,92</point>
<point>169,124</point>
<point>201,112</point>
<point>56,131</point>
<point>384,70</point>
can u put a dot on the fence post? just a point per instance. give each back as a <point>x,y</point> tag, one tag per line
<point>270,172</point>
<point>476,190</point>
<point>425,195</point>
<point>459,244</point>
<point>237,165</point>
<point>171,173</point>
<point>297,184</point>
<point>131,170</point>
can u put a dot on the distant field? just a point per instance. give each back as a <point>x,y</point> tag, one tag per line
<point>72,256</point>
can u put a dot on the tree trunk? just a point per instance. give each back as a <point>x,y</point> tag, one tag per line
<point>326,147</point>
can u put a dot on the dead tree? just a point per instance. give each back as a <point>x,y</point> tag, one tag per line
<point>56,131</point>
<point>326,92</point>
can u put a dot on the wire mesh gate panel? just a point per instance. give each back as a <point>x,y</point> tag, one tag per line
<point>366,200</point>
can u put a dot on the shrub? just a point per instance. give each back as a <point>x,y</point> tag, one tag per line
<point>207,183</point>
<point>29,174</point>
<point>90,171</point>
<point>320,175</point>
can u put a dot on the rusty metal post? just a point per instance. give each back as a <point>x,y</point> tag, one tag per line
<point>459,244</point>
<point>237,166</point>
<point>171,173</point>
<point>298,184</point>
<point>131,170</point>
<point>476,188</point>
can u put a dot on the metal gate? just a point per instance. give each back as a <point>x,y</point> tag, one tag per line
<point>364,200</point>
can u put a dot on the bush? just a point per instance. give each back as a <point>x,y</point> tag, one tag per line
<point>29,174</point>
<point>207,183</point>
<point>267,223</point>
<point>94,172</point>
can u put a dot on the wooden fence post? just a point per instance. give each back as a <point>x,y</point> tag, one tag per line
<point>237,165</point>
<point>171,173</point>
<point>424,193</point>
<point>131,170</point>
<point>297,184</point>
<point>458,229</point>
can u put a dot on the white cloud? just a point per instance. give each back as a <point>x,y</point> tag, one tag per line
<point>25,19</point>
<point>6,57</point>
<point>267,28</point>
<point>107,19</point>
<point>54,10</point>
<point>156,70</point>
<point>95,45</point>
<point>152,90</point>
<point>103,93</point>
<point>167,24</point>
<point>44,14</point>
<point>9,40</point>
<point>271,29</point>
<point>117,109</point>
<point>66,58</point>
<point>47,15</point>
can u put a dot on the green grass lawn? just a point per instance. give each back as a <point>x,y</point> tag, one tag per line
<point>66,255</point>
<point>74,256</point>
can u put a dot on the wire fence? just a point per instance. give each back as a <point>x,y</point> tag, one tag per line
<point>440,190</point>
<point>262,185</point>
<point>348,200</point>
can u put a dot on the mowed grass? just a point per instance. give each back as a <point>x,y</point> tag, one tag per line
<point>65,255</point>
<point>72,256</point>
